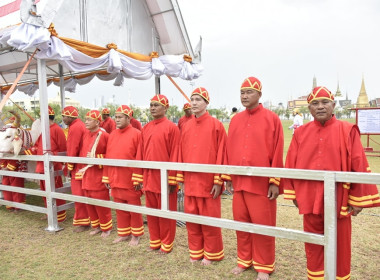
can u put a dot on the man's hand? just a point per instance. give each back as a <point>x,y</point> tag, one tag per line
<point>215,191</point>
<point>273,192</point>
<point>355,210</point>
<point>172,189</point>
<point>138,187</point>
<point>295,203</point>
<point>229,187</point>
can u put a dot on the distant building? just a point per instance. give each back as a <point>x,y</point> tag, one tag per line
<point>29,104</point>
<point>339,99</point>
<point>375,102</point>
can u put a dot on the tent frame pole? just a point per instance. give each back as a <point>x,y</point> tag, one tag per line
<point>51,204</point>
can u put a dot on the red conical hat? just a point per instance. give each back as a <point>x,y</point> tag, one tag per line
<point>251,83</point>
<point>320,93</point>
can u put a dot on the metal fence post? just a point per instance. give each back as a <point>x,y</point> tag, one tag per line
<point>330,226</point>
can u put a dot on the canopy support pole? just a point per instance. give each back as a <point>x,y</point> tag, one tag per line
<point>51,204</point>
<point>62,87</point>
<point>157,83</point>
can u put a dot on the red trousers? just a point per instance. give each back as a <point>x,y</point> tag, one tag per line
<point>128,222</point>
<point>61,215</point>
<point>315,253</point>
<point>255,249</point>
<point>99,216</point>
<point>81,217</point>
<point>204,241</point>
<point>161,230</point>
<point>13,196</point>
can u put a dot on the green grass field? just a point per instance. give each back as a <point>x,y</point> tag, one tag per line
<point>27,251</point>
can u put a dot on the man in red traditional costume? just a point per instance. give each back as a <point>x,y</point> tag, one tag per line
<point>95,146</point>
<point>188,115</point>
<point>18,166</point>
<point>58,144</point>
<point>77,130</point>
<point>159,142</point>
<point>255,138</point>
<point>135,123</point>
<point>328,144</point>
<point>108,124</point>
<point>123,143</point>
<point>203,140</point>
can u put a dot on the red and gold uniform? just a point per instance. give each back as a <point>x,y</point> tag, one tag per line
<point>136,124</point>
<point>108,124</point>
<point>76,132</point>
<point>92,184</point>
<point>159,142</point>
<point>334,146</point>
<point>255,138</point>
<point>123,144</point>
<point>184,119</point>
<point>13,165</point>
<point>203,140</point>
<point>58,144</point>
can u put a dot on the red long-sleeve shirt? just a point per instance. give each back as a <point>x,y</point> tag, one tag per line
<point>58,144</point>
<point>136,124</point>
<point>255,138</point>
<point>184,119</point>
<point>77,130</point>
<point>122,144</point>
<point>108,125</point>
<point>336,146</point>
<point>92,178</point>
<point>159,142</point>
<point>203,140</point>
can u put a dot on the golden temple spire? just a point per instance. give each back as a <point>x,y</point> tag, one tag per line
<point>362,98</point>
<point>338,93</point>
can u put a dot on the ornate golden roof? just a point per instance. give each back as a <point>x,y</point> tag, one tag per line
<point>338,93</point>
<point>363,97</point>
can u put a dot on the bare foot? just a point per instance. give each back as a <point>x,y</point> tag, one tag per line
<point>237,270</point>
<point>78,229</point>
<point>121,239</point>
<point>105,234</point>
<point>193,261</point>
<point>151,249</point>
<point>134,241</point>
<point>262,276</point>
<point>95,231</point>
<point>206,262</point>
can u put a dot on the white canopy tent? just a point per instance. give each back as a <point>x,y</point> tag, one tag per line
<point>127,38</point>
<point>112,40</point>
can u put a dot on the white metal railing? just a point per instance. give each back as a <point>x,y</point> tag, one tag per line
<point>330,179</point>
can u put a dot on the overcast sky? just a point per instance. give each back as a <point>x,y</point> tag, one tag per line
<point>284,43</point>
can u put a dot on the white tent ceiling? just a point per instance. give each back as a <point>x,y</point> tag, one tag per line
<point>134,26</point>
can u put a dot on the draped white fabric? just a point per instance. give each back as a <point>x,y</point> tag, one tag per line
<point>27,36</point>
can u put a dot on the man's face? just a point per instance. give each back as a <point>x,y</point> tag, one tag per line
<point>104,117</point>
<point>198,105</point>
<point>188,112</point>
<point>121,120</point>
<point>250,98</point>
<point>157,110</point>
<point>322,109</point>
<point>91,124</point>
<point>67,120</point>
